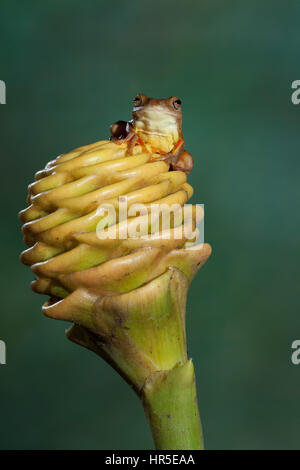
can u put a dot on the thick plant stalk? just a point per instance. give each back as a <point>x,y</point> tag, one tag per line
<point>125,296</point>
<point>162,377</point>
<point>170,403</point>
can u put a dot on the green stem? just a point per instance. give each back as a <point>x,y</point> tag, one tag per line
<point>141,333</point>
<point>170,403</point>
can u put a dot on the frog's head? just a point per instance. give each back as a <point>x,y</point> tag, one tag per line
<point>157,121</point>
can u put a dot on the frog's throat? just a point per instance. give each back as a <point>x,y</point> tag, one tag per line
<point>157,128</point>
<point>152,133</point>
<point>158,142</point>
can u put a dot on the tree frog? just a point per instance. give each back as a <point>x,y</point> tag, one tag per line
<point>156,126</point>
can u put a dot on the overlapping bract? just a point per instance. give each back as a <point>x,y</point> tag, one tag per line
<point>81,273</point>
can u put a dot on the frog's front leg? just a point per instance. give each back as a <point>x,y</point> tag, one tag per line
<point>173,156</point>
<point>122,131</point>
<point>178,159</point>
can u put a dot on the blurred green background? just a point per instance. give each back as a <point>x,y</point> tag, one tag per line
<point>71,69</point>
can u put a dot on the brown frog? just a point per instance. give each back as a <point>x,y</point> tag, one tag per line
<point>156,125</point>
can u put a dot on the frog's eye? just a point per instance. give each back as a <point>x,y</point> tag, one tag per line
<point>138,101</point>
<point>176,103</point>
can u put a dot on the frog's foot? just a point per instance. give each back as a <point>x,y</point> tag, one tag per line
<point>172,157</point>
<point>169,158</point>
<point>163,157</point>
<point>185,163</point>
